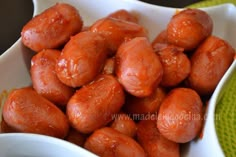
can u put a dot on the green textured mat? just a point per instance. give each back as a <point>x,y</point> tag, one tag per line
<point>208,3</point>
<point>225,117</point>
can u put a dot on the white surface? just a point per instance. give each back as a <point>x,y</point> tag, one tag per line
<point>15,62</point>
<point>32,145</point>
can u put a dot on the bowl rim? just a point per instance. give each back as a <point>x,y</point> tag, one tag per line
<point>30,137</point>
<point>212,103</point>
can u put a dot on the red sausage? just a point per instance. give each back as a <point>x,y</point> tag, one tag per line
<point>109,67</point>
<point>123,14</point>
<point>45,80</point>
<point>116,31</point>
<point>209,63</point>
<point>180,115</point>
<point>93,105</point>
<point>76,137</point>
<point>145,105</point>
<point>107,142</point>
<point>160,38</point>
<point>176,64</point>
<point>138,68</point>
<point>52,28</point>
<point>189,28</point>
<point>26,111</point>
<point>155,144</point>
<point>82,59</point>
<point>5,128</point>
<point>124,124</point>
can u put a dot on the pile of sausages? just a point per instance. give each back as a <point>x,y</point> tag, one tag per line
<point>108,88</point>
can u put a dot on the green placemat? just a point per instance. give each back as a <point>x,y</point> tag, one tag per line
<point>225,118</point>
<point>208,3</point>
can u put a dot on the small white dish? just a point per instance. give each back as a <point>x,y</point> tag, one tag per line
<point>15,62</point>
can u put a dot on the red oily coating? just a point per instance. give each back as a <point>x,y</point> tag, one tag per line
<point>26,111</point>
<point>146,105</point>
<point>45,80</point>
<point>153,143</point>
<point>116,31</point>
<point>123,14</point>
<point>209,63</point>
<point>52,28</point>
<point>82,59</point>
<point>138,68</point>
<point>109,67</point>
<point>124,124</point>
<point>176,64</point>
<point>188,28</point>
<point>93,105</point>
<point>160,38</point>
<point>76,137</point>
<point>107,142</point>
<point>180,115</point>
<point>5,128</point>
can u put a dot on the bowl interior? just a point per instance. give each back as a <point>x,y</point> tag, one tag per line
<point>155,18</point>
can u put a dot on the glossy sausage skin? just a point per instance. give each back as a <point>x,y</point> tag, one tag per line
<point>146,105</point>
<point>138,68</point>
<point>76,137</point>
<point>123,14</point>
<point>188,28</point>
<point>124,124</point>
<point>52,28</point>
<point>82,59</point>
<point>209,63</point>
<point>160,38</point>
<point>5,128</point>
<point>93,105</point>
<point>107,142</point>
<point>45,80</point>
<point>154,144</point>
<point>26,111</point>
<point>180,115</point>
<point>117,31</point>
<point>176,64</point>
<point>109,67</point>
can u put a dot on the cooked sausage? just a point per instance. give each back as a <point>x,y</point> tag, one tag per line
<point>109,67</point>
<point>153,143</point>
<point>76,137</point>
<point>209,63</point>
<point>176,64</point>
<point>52,28</point>
<point>26,111</point>
<point>123,14</point>
<point>180,115</point>
<point>93,105</point>
<point>45,80</point>
<point>138,68</point>
<point>117,31</point>
<point>124,124</point>
<point>188,28</point>
<point>82,59</point>
<point>160,38</point>
<point>146,105</point>
<point>5,128</point>
<point>107,142</point>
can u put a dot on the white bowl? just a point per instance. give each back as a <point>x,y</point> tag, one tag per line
<point>15,62</point>
<point>32,145</point>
